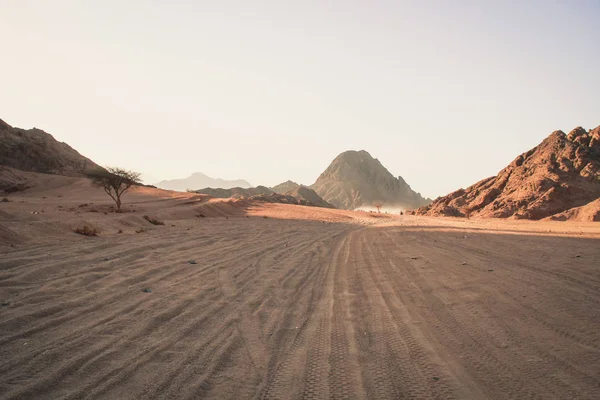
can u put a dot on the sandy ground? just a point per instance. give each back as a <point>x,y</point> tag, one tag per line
<point>305,303</point>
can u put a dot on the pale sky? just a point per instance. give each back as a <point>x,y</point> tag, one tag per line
<point>443,93</point>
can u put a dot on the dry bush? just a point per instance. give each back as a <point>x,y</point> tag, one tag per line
<point>5,200</point>
<point>141,230</point>
<point>153,221</point>
<point>86,230</point>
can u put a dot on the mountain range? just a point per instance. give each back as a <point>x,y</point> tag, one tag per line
<point>559,179</point>
<point>199,180</point>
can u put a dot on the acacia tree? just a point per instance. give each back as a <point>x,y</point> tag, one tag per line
<point>378,205</point>
<point>114,181</point>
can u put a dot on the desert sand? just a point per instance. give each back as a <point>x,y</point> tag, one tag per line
<point>238,300</point>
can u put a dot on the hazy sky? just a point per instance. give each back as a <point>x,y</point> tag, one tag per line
<point>443,93</point>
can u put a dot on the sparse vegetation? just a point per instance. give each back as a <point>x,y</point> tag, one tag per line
<point>5,200</point>
<point>153,221</point>
<point>114,181</point>
<point>86,230</point>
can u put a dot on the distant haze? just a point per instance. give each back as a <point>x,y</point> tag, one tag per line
<point>199,180</point>
<point>442,93</point>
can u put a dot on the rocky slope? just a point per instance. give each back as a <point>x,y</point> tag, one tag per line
<point>355,179</point>
<point>199,180</point>
<point>300,196</point>
<point>587,213</point>
<point>301,192</point>
<point>310,196</point>
<point>286,199</point>
<point>37,151</point>
<point>285,187</point>
<point>561,173</point>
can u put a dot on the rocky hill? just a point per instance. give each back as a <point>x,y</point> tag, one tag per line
<point>199,180</point>
<point>285,199</point>
<point>285,187</point>
<point>355,179</point>
<point>300,196</point>
<point>561,173</point>
<point>310,196</point>
<point>301,192</point>
<point>236,192</point>
<point>37,151</point>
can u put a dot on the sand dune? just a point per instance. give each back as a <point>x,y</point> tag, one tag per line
<point>305,303</point>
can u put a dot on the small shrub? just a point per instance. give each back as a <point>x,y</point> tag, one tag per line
<point>83,205</point>
<point>120,231</point>
<point>5,200</point>
<point>86,231</point>
<point>153,221</point>
<point>141,230</point>
<point>200,216</point>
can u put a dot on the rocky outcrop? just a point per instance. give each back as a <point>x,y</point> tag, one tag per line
<point>587,213</point>
<point>355,179</point>
<point>34,150</point>
<point>561,173</point>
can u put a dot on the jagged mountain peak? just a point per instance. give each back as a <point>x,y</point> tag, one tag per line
<point>355,179</point>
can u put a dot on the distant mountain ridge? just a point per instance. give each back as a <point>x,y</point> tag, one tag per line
<point>199,180</point>
<point>355,179</point>
<point>235,192</point>
<point>561,173</point>
<point>34,150</point>
<point>299,196</point>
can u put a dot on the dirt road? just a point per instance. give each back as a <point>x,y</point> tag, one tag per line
<point>262,308</point>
